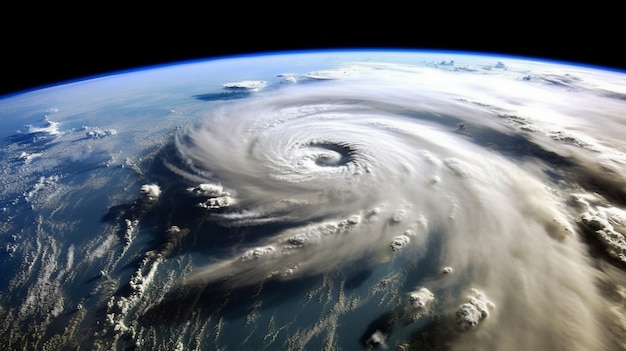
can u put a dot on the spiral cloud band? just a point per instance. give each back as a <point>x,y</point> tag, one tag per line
<point>371,161</point>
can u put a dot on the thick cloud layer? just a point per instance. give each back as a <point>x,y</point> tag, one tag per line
<point>375,160</point>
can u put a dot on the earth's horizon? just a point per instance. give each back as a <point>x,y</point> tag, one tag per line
<point>336,200</point>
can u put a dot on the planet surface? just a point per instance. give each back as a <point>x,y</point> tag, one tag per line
<point>329,200</point>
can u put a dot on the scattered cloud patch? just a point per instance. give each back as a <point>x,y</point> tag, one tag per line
<point>50,127</point>
<point>471,313</point>
<point>209,190</point>
<point>28,157</point>
<point>608,224</point>
<point>250,85</point>
<point>422,300</point>
<point>150,192</point>
<point>378,338</point>
<point>399,242</point>
<point>98,133</point>
<point>257,253</point>
<point>288,78</point>
<point>217,196</point>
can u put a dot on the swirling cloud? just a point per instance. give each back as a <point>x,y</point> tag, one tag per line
<point>354,174</point>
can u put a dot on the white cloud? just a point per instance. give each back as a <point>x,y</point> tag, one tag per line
<point>217,202</point>
<point>98,133</point>
<point>252,85</point>
<point>378,338</point>
<point>50,127</point>
<point>470,314</point>
<point>257,253</point>
<point>399,242</point>
<point>28,157</point>
<point>288,77</point>
<point>210,190</point>
<point>422,300</point>
<point>150,192</point>
<point>608,224</point>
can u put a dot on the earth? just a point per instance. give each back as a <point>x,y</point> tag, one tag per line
<point>329,200</point>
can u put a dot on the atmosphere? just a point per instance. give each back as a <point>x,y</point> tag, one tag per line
<point>318,200</point>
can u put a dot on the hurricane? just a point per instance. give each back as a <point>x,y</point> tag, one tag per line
<point>330,200</point>
<point>372,162</point>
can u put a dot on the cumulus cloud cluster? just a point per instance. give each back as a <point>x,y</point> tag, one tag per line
<point>150,192</point>
<point>98,133</point>
<point>252,85</point>
<point>474,311</point>
<point>606,223</point>
<point>215,196</point>
<point>421,299</point>
<point>50,127</point>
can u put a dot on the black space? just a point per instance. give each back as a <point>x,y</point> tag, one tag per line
<point>53,45</point>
